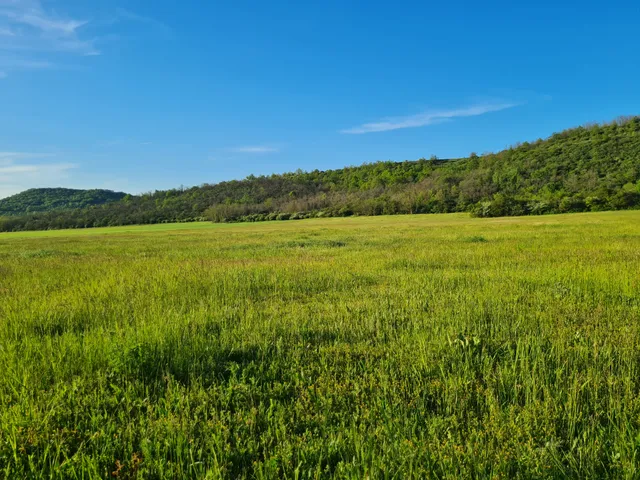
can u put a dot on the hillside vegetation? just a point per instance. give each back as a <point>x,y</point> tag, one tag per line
<point>589,168</point>
<point>49,199</point>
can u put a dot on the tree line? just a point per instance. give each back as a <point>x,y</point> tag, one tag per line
<point>590,168</point>
<point>37,200</point>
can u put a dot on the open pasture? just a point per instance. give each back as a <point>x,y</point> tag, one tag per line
<point>434,346</point>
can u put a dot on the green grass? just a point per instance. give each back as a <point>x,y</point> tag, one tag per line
<point>159,227</point>
<point>381,347</point>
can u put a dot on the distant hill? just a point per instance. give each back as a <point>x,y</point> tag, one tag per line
<point>589,168</point>
<point>39,200</point>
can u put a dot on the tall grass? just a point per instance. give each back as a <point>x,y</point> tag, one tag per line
<point>385,347</point>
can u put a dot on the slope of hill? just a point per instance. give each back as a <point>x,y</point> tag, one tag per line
<point>49,199</point>
<point>582,169</point>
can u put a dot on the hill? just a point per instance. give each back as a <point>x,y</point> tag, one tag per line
<point>50,199</point>
<point>588,168</point>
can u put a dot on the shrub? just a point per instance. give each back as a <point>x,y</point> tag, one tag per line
<point>625,199</point>
<point>596,204</point>
<point>572,204</point>
<point>345,211</point>
<point>538,207</point>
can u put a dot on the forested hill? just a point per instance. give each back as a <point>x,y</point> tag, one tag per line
<point>49,199</point>
<point>587,168</point>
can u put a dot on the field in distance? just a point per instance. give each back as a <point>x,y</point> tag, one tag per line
<point>434,346</point>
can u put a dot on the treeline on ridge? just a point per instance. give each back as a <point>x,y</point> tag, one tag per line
<point>37,200</point>
<point>589,168</point>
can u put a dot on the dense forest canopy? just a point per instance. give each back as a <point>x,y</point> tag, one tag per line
<point>589,168</point>
<point>49,199</point>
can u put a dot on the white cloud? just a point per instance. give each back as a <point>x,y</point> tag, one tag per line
<point>10,157</point>
<point>35,36</point>
<point>17,175</point>
<point>125,14</point>
<point>17,169</point>
<point>26,26</point>
<point>37,19</point>
<point>427,118</point>
<point>16,63</point>
<point>254,149</point>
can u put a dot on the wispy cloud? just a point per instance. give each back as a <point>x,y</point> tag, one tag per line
<point>125,14</point>
<point>254,149</point>
<point>10,157</point>
<point>22,170</point>
<point>27,26</point>
<point>427,118</point>
<point>17,63</point>
<point>122,142</point>
<point>36,18</point>
<point>33,36</point>
<point>28,32</point>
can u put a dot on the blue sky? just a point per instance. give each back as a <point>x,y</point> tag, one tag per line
<point>143,95</point>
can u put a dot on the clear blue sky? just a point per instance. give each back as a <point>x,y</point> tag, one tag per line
<point>140,95</point>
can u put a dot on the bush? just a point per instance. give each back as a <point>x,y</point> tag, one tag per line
<point>538,207</point>
<point>572,204</point>
<point>481,210</point>
<point>345,211</point>
<point>255,217</point>
<point>625,199</point>
<point>596,204</point>
<point>500,206</point>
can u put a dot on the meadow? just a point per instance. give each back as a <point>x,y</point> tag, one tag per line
<point>424,346</point>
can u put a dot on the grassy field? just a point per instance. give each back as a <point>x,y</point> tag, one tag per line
<point>383,347</point>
